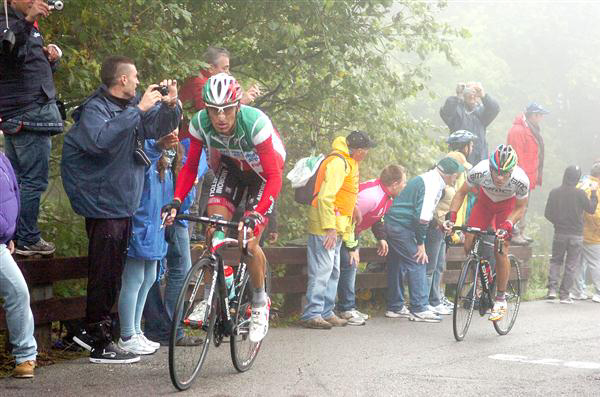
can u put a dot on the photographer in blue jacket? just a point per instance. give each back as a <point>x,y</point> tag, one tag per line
<point>103,165</point>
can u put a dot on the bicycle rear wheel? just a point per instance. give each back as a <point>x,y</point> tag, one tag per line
<point>192,327</point>
<point>464,300</point>
<point>244,352</point>
<point>513,298</point>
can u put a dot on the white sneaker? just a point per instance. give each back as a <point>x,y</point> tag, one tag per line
<point>136,346</point>
<point>353,317</point>
<point>441,309</point>
<point>579,297</point>
<point>348,314</point>
<point>427,317</point>
<point>596,298</point>
<point>447,303</point>
<point>148,342</point>
<point>402,313</point>
<point>198,313</point>
<point>259,322</point>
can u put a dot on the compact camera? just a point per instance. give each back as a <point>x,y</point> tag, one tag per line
<point>57,5</point>
<point>163,89</point>
<point>8,41</point>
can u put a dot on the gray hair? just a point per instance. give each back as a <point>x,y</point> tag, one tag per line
<point>595,171</point>
<point>212,54</point>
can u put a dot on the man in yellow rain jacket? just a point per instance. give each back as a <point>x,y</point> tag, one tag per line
<point>329,218</point>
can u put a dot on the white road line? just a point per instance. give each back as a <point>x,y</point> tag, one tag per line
<point>546,361</point>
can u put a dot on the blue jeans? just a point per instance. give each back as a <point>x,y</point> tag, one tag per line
<point>401,263</point>
<point>323,276</point>
<point>138,277</point>
<point>29,154</point>
<point>346,291</point>
<point>435,246</point>
<point>158,315</point>
<point>19,318</point>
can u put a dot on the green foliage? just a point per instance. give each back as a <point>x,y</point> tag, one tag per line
<point>325,67</point>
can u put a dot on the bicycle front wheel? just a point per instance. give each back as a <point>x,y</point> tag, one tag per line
<point>464,301</point>
<point>513,298</point>
<point>192,327</point>
<point>243,351</point>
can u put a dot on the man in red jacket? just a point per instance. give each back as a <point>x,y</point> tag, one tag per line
<point>524,136</point>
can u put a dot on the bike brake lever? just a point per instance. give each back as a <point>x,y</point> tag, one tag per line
<point>245,241</point>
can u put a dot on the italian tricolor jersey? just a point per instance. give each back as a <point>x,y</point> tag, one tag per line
<point>255,145</point>
<point>253,132</point>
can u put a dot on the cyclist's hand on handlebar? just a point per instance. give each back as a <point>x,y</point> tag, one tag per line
<point>450,221</point>
<point>251,220</point>
<point>504,231</point>
<point>169,212</point>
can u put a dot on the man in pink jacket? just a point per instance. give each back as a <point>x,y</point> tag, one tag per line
<point>375,197</point>
<point>524,136</point>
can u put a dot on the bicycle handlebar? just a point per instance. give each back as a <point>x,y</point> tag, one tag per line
<point>476,230</point>
<point>207,220</point>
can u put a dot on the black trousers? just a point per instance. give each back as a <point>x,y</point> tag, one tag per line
<point>107,251</point>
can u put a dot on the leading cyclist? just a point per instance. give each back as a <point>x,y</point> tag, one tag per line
<point>503,189</point>
<point>250,160</point>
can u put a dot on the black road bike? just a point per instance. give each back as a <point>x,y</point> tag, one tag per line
<point>211,320</point>
<point>476,287</point>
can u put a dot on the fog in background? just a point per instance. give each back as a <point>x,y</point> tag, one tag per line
<point>543,51</point>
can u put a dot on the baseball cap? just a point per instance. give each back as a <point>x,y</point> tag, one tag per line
<point>449,166</point>
<point>359,140</point>
<point>534,107</point>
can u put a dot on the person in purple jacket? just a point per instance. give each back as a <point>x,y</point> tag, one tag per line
<point>13,289</point>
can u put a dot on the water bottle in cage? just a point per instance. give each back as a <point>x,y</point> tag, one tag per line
<point>229,281</point>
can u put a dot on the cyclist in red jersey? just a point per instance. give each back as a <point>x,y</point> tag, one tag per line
<point>503,189</point>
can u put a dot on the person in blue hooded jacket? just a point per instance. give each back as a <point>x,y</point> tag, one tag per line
<point>147,246</point>
<point>103,168</point>
<point>158,312</point>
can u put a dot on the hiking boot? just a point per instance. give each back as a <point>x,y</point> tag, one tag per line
<point>353,317</point>
<point>498,311</point>
<point>24,370</point>
<point>315,323</point>
<point>335,321</point>
<point>112,354</point>
<point>527,238</point>
<point>427,317</point>
<point>579,297</point>
<point>551,294</point>
<point>402,313</point>
<point>42,247</point>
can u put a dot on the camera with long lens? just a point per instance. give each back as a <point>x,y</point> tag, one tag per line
<point>163,89</point>
<point>57,5</point>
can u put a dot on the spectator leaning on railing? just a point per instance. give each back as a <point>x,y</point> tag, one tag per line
<point>30,115</point>
<point>13,289</point>
<point>103,166</point>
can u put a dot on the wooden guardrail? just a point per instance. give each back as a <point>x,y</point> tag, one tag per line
<point>41,274</point>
